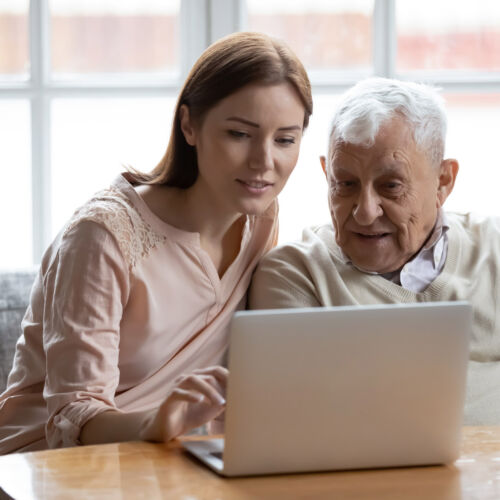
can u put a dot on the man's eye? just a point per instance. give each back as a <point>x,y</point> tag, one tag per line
<point>343,188</point>
<point>345,184</point>
<point>392,187</point>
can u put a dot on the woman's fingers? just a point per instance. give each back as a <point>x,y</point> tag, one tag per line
<point>192,403</point>
<point>206,385</point>
<point>218,372</point>
<point>187,396</point>
<point>195,399</point>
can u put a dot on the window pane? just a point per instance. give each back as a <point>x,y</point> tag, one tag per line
<point>460,35</point>
<point>472,140</point>
<point>113,36</point>
<point>303,201</point>
<point>325,35</point>
<point>15,171</point>
<point>92,140</point>
<point>14,43</point>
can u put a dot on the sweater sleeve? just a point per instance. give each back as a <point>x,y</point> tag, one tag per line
<point>86,288</point>
<point>282,281</point>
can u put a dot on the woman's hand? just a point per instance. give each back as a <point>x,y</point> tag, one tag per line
<point>195,399</point>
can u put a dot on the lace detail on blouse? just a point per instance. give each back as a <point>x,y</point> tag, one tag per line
<point>112,209</point>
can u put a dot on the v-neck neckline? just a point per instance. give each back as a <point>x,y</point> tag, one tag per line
<point>209,265</point>
<point>192,239</point>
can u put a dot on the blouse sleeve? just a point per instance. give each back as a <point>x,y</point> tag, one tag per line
<point>86,288</point>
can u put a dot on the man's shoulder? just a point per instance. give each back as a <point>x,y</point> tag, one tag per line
<point>287,276</point>
<point>314,239</point>
<point>472,222</point>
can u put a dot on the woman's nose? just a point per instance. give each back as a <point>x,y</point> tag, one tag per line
<point>261,156</point>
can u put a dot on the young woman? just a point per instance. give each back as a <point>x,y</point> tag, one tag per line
<point>127,323</point>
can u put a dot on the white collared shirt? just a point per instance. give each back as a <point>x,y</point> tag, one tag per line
<point>417,274</point>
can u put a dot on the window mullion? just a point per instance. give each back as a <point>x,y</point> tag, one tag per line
<point>226,16</point>
<point>40,126</point>
<point>194,32</point>
<point>384,38</point>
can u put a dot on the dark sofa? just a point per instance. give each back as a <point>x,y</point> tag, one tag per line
<point>15,287</point>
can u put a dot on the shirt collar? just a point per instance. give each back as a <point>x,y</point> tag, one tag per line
<point>440,227</point>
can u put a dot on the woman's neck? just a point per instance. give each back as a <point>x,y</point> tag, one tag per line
<point>186,209</point>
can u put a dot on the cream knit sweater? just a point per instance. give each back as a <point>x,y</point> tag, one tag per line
<point>312,273</point>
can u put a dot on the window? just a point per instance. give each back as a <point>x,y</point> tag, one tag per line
<point>87,87</point>
<point>327,36</point>
<point>109,37</point>
<point>93,138</point>
<point>466,39</point>
<point>14,40</point>
<point>15,202</point>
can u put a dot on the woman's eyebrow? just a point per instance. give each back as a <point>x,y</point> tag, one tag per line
<point>256,125</point>
<point>242,120</point>
<point>291,127</point>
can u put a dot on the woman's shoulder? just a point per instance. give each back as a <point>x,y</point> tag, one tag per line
<point>114,210</point>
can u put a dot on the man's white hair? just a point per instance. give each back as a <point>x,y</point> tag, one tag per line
<point>374,101</point>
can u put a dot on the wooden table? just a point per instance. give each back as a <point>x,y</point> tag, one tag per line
<point>150,471</point>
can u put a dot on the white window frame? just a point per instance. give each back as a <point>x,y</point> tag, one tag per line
<point>202,22</point>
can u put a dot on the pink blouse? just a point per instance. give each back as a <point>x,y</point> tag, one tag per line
<point>123,304</point>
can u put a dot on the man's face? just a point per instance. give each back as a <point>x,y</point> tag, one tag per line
<point>383,199</point>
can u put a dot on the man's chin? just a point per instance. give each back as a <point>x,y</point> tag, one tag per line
<point>373,266</point>
<point>366,268</point>
<point>373,255</point>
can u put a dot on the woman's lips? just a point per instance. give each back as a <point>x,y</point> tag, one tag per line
<point>254,186</point>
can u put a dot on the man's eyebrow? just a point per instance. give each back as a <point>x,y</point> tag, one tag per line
<point>339,169</point>
<point>392,168</point>
<point>256,125</point>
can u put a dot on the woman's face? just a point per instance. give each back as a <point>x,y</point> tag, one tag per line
<point>247,146</point>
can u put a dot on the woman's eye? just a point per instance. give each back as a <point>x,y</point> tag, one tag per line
<point>286,140</point>
<point>237,133</point>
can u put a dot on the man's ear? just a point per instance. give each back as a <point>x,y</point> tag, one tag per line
<point>187,126</point>
<point>448,171</point>
<point>322,160</point>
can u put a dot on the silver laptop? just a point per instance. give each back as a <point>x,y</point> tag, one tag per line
<point>342,388</point>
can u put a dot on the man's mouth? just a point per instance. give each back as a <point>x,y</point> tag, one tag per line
<point>372,236</point>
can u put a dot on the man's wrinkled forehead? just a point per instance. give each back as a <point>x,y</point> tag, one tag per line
<point>393,140</point>
<point>348,158</point>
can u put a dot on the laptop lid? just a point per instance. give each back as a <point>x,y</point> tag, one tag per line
<point>345,387</point>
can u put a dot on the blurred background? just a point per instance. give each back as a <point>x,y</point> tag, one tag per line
<point>87,86</point>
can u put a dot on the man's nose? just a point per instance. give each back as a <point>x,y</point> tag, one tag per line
<point>261,156</point>
<point>368,207</point>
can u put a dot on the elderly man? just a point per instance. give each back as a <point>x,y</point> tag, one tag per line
<point>391,241</point>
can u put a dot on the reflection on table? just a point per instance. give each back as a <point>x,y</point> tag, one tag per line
<point>145,470</point>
